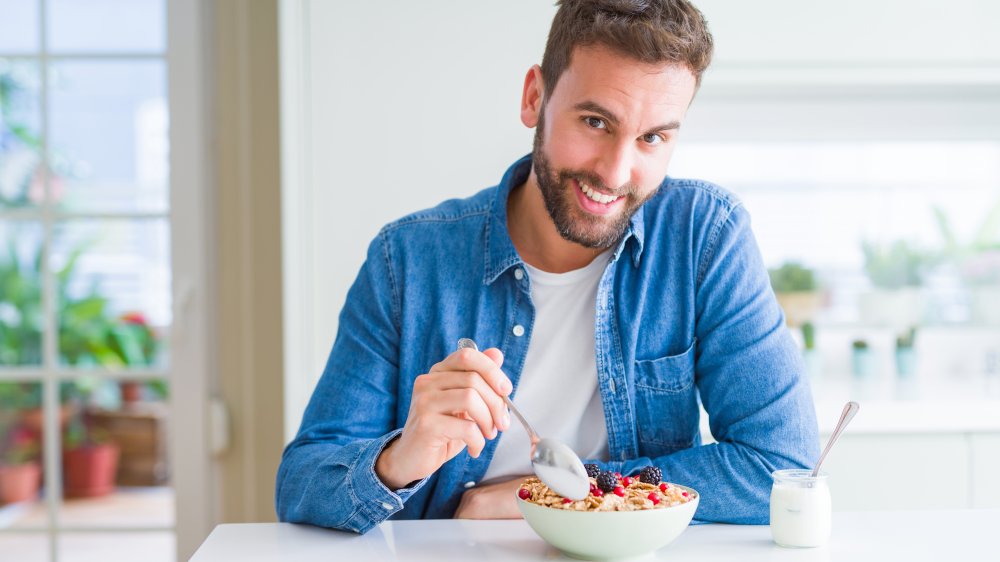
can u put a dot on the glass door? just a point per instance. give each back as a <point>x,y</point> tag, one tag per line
<point>85,282</point>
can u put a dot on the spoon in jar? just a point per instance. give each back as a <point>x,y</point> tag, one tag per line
<point>554,462</point>
<point>850,409</point>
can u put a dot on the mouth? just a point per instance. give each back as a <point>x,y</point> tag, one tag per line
<point>596,202</point>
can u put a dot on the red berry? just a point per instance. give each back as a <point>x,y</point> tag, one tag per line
<point>618,475</point>
<point>663,487</point>
<point>523,493</point>
<point>598,493</point>
<point>619,491</point>
<point>653,497</point>
<point>626,481</point>
<point>567,500</point>
<point>685,494</point>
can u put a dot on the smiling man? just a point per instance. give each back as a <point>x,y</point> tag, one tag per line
<point>612,298</point>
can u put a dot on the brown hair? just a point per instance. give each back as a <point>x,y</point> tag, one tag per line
<point>649,31</point>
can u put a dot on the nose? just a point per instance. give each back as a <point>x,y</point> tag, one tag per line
<point>615,166</point>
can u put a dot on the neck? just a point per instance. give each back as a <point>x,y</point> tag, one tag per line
<point>535,236</point>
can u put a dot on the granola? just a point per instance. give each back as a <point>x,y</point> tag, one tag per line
<point>629,495</point>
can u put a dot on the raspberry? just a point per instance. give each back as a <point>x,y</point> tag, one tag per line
<point>654,497</point>
<point>619,491</point>
<point>685,494</point>
<point>651,475</point>
<point>626,481</point>
<point>598,493</point>
<point>664,486</point>
<point>592,470</point>
<point>523,493</point>
<point>606,481</point>
<point>618,475</point>
<point>567,500</point>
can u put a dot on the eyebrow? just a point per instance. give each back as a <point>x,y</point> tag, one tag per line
<point>604,112</point>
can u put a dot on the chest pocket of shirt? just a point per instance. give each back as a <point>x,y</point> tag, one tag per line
<point>666,403</point>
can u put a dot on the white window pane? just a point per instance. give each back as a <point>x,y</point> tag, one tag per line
<point>25,547</point>
<point>819,203</point>
<point>117,547</point>
<point>20,293</point>
<point>20,135</point>
<point>113,275</point>
<point>19,26</point>
<point>109,136</point>
<point>20,456</point>
<point>106,26</point>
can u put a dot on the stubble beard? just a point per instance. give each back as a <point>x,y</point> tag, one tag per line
<point>572,223</point>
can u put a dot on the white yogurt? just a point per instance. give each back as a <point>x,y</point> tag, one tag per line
<point>800,508</point>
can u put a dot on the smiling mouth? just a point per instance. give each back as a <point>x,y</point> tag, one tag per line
<point>597,196</point>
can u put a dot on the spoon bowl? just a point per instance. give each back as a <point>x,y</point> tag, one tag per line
<point>554,462</point>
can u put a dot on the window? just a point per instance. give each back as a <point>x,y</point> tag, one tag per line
<point>898,242</point>
<point>85,301</point>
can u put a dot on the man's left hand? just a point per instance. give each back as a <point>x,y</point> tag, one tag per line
<point>494,501</point>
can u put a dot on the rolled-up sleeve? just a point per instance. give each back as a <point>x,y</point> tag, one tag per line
<point>327,473</point>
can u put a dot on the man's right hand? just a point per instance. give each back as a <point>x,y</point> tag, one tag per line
<point>456,405</point>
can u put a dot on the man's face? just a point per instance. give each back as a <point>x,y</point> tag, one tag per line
<point>604,139</point>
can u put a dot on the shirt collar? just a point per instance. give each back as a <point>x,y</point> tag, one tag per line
<point>500,254</point>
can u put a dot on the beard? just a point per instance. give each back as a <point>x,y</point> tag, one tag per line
<point>573,223</point>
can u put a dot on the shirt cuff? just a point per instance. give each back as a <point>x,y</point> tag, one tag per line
<point>376,500</point>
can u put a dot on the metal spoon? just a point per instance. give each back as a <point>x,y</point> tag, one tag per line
<point>554,462</point>
<point>850,409</point>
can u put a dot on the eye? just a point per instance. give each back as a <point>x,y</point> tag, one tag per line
<point>595,122</point>
<point>653,138</point>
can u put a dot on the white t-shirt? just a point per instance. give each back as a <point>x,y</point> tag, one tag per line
<point>557,391</point>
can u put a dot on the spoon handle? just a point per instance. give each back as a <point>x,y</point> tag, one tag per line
<point>467,343</point>
<point>850,409</point>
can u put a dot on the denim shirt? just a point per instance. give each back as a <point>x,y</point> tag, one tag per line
<point>684,315</point>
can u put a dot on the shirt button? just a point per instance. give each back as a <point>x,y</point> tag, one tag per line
<point>518,330</point>
<point>387,506</point>
<point>519,274</point>
<point>469,484</point>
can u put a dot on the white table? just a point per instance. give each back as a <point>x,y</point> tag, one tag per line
<point>950,535</point>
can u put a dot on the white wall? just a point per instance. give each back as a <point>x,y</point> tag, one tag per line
<point>395,106</point>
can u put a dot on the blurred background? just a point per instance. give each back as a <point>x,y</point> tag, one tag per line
<point>187,190</point>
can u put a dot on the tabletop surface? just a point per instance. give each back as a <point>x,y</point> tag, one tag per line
<point>951,535</point>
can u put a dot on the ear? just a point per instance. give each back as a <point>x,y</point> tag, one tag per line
<point>533,96</point>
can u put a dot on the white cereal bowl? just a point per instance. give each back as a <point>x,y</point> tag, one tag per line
<point>606,535</point>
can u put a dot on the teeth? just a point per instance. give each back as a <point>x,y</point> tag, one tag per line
<point>596,196</point>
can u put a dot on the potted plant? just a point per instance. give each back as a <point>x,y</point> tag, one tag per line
<point>906,355</point>
<point>797,292</point>
<point>137,343</point>
<point>978,263</point>
<point>810,354</point>
<point>862,359</point>
<point>20,309</point>
<point>20,470</point>
<point>90,457</point>
<point>897,273</point>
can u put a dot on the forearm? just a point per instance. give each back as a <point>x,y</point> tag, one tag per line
<point>335,485</point>
<point>733,479</point>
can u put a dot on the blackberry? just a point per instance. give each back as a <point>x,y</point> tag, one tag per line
<point>650,475</point>
<point>607,481</point>
<point>592,470</point>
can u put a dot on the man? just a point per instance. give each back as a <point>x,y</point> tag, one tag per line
<point>612,300</point>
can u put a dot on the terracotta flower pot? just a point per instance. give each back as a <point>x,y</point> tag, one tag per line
<point>19,482</point>
<point>90,471</point>
<point>131,391</point>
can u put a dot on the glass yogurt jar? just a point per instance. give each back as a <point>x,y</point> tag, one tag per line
<point>800,508</point>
